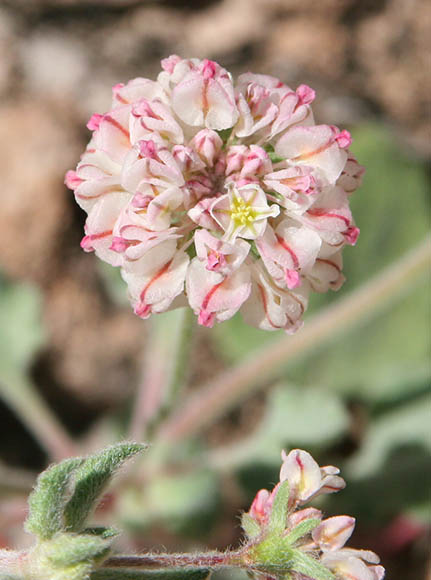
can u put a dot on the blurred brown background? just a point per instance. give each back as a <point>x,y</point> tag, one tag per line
<point>369,61</point>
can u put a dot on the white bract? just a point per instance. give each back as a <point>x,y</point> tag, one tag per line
<point>220,194</point>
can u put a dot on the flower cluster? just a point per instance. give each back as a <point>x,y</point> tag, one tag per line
<point>226,196</point>
<point>304,529</point>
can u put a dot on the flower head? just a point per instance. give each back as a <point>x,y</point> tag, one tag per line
<point>220,194</point>
<point>299,542</point>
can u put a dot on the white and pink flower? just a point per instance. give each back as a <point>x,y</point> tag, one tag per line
<point>222,194</point>
<point>305,530</point>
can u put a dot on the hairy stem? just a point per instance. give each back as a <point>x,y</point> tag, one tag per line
<point>157,561</point>
<point>229,388</point>
<point>164,368</point>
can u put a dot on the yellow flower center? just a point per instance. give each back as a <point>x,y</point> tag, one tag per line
<point>242,213</point>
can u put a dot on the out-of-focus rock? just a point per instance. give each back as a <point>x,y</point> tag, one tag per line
<point>35,151</point>
<point>54,65</point>
<point>393,51</point>
<point>93,345</point>
<point>329,8</point>
<point>298,46</point>
<point>226,27</point>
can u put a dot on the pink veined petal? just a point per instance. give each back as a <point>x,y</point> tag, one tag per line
<point>302,472</point>
<point>222,111</point>
<point>327,273</point>
<point>187,100</point>
<point>366,555</point>
<point>214,296</point>
<point>347,567</point>
<point>271,307</point>
<point>220,256</point>
<point>112,135</point>
<point>333,532</point>
<point>305,514</point>
<point>100,225</point>
<point>332,484</point>
<point>314,146</point>
<point>157,279</point>
<point>135,90</point>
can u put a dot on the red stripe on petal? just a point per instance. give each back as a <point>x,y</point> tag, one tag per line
<point>265,307</point>
<point>154,279</point>
<point>210,294</point>
<point>312,153</point>
<point>117,125</point>
<point>329,263</point>
<point>288,249</point>
<point>322,213</point>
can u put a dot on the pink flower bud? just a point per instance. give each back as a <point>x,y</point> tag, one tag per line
<point>344,139</point>
<point>207,144</point>
<point>306,94</point>
<point>147,149</point>
<point>72,180</point>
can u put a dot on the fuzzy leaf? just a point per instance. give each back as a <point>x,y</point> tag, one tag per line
<point>302,529</point>
<point>91,479</point>
<point>250,526</point>
<point>47,501</point>
<point>150,574</point>
<point>277,521</point>
<point>68,549</point>
<point>310,567</point>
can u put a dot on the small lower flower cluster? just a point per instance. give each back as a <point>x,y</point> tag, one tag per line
<point>225,196</point>
<point>321,539</point>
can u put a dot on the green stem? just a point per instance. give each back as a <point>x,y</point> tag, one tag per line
<point>164,368</point>
<point>23,398</point>
<point>229,388</point>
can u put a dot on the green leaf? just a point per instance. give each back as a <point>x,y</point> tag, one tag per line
<point>278,517</point>
<point>407,425</point>
<point>68,549</point>
<point>92,477</point>
<point>309,567</point>
<point>250,526</point>
<point>174,574</point>
<point>303,528</point>
<point>47,501</point>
